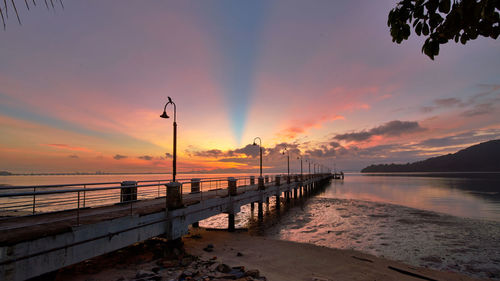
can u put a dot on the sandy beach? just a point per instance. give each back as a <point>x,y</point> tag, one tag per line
<point>274,260</point>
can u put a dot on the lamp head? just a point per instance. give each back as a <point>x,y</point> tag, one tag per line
<point>164,115</point>
<point>170,100</point>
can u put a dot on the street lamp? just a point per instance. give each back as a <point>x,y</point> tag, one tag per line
<point>288,159</point>
<point>260,148</point>
<point>300,165</point>
<point>309,161</point>
<point>164,115</point>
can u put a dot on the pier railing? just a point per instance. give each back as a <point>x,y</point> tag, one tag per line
<point>33,200</point>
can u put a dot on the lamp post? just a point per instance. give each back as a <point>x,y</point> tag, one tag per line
<point>260,148</point>
<point>309,161</point>
<point>300,165</point>
<point>164,115</point>
<point>287,159</point>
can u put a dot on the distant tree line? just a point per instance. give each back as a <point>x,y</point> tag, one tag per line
<point>483,157</point>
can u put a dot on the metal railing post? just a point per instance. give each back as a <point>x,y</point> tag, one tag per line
<point>34,200</point>
<point>78,210</point>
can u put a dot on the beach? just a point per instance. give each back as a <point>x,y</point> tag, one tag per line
<point>272,259</point>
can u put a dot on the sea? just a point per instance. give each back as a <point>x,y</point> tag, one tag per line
<point>448,222</point>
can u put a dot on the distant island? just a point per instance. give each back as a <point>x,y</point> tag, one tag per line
<point>5,173</point>
<point>483,157</point>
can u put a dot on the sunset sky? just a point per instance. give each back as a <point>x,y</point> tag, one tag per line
<point>81,89</point>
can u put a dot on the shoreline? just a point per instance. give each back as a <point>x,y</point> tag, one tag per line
<point>274,259</point>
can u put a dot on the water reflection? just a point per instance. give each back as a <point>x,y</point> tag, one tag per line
<point>464,197</point>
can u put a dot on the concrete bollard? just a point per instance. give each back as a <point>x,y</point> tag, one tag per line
<point>261,183</point>
<point>252,180</point>
<point>128,191</point>
<point>231,186</point>
<point>278,180</point>
<point>174,196</point>
<point>195,185</point>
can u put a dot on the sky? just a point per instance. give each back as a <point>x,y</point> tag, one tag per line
<point>82,88</point>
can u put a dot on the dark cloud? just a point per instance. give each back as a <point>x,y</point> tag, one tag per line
<point>479,109</point>
<point>119,157</point>
<point>214,153</point>
<point>168,155</point>
<point>73,156</point>
<point>392,128</point>
<point>448,102</point>
<point>441,103</point>
<point>146,157</point>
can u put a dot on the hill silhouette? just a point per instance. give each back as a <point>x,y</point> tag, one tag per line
<point>483,157</point>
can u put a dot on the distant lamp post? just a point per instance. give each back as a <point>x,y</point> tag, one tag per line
<point>260,148</point>
<point>309,161</point>
<point>300,165</point>
<point>287,160</point>
<point>164,115</point>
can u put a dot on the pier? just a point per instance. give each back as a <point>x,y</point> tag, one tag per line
<point>57,226</point>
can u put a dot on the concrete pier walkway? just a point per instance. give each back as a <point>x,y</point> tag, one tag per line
<point>34,245</point>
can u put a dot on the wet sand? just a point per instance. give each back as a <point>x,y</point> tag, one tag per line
<point>285,260</point>
<point>158,259</point>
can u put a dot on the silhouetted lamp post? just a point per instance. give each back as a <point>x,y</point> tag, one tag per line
<point>300,165</point>
<point>164,115</point>
<point>260,148</point>
<point>309,161</point>
<point>287,159</point>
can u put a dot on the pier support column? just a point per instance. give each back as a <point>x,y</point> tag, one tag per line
<point>260,210</point>
<point>231,186</point>
<point>261,183</point>
<point>252,207</point>
<point>195,188</point>
<point>294,193</point>
<point>230,223</point>
<point>174,196</point>
<point>278,192</point>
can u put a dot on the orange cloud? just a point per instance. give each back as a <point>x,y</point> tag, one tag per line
<point>301,127</point>
<point>68,147</point>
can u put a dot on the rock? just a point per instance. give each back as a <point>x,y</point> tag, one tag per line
<point>316,278</point>
<point>239,254</point>
<point>224,268</point>
<point>186,261</point>
<point>144,273</point>
<point>209,248</point>
<point>169,263</point>
<point>253,273</point>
